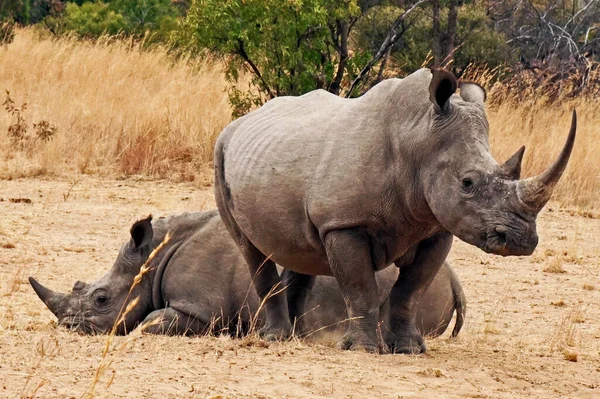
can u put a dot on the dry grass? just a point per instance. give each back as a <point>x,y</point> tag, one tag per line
<point>567,334</point>
<point>543,130</point>
<point>116,108</point>
<point>534,109</point>
<point>555,266</point>
<point>111,351</point>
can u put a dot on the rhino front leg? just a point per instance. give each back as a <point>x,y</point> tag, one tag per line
<point>350,260</point>
<point>298,286</point>
<point>413,281</point>
<point>169,321</point>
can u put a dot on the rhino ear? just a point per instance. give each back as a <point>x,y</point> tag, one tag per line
<point>79,286</point>
<point>442,86</point>
<point>141,232</point>
<point>472,92</point>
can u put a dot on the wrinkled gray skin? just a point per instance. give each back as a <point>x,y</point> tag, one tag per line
<point>329,186</point>
<point>202,277</point>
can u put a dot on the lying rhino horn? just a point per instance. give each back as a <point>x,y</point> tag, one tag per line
<point>536,191</point>
<point>50,298</point>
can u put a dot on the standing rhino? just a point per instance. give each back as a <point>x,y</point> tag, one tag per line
<point>200,277</point>
<point>323,185</point>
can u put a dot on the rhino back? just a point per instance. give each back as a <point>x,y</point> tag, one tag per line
<point>181,226</point>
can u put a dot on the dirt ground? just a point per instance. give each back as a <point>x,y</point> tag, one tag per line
<point>532,330</point>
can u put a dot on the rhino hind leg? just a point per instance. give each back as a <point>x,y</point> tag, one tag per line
<point>262,270</point>
<point>169,321</point>
<point>297,287</point>
<point>413,280</point>
<point>266,282</point>
<point>349,255</point>
<point>271,293</point>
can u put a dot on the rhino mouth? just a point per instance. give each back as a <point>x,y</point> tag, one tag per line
<point>80,325</point>
<point>499,241</point>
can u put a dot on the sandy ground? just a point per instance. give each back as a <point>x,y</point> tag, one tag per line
<point>530,332</point>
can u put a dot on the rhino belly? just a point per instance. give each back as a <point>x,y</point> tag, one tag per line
<point>287,246</point>
<point>272,217</point>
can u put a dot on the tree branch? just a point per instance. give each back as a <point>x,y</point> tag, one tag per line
<point>388,42</point>
<point>242,53</point>
<point>343,30</point>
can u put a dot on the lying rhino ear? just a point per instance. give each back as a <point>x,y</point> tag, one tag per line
<point>79,286</point>
<point>472,92</point>
<point>442,86</point>
<point>141,232</point>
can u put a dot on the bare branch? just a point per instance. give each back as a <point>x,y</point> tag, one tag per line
<point>388,42</point>
<point>255,70</point>
<point>586,9</point>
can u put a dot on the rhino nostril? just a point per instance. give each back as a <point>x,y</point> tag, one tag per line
<point>501,233</point>
<point>501,230</point>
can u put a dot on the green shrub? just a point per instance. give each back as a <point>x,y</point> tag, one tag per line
<point>130,17</point>
<point>93,19</point>
<point>289,47</point>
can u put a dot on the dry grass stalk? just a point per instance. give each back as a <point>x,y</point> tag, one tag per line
<point>555,266</point>
<point>491,318</point>
<point>565,337</point>
<point>127,306</point>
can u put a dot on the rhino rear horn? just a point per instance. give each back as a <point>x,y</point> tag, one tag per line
<point>536,191</point>
<point>443,85</point>
<point>512,167</point>
<point>50,298</point>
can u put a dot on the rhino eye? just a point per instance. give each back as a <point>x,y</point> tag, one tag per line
<point>101,300</point>
<point>467,183</point>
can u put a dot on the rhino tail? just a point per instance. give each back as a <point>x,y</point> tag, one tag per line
<point>460,304</point>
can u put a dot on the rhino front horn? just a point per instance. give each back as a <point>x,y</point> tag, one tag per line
<point>536,191</point>
<point>50,298</point>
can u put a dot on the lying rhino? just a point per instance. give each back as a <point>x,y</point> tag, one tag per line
<point>198,282</point>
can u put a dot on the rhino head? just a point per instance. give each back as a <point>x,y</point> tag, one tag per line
<point>479,201</point>
<point>94,308</point>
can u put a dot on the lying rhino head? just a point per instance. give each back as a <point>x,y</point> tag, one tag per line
<point>479,201</point>
<point>94,308</point>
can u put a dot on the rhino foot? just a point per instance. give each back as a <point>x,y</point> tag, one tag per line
<point>170,321</point>
<point>349,342</point>
<point>278,333</point>
<point>411,345</point>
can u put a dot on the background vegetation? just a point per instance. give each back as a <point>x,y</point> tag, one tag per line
<point>145,86</point>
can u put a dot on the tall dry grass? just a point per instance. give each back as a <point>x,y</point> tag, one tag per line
<point>543,130</point>
<point>534,109</point>
<point>119,109</point>
<point>116,107</point>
